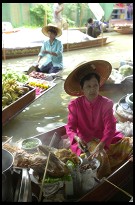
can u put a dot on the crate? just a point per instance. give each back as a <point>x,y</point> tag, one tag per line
<point>16,107</point>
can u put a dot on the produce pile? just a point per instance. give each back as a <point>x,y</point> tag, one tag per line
<point>12,86</point>
<point>118,75</point>
<point>17,76</point>
<point>11,91</point>
<point>126,70</point>
<point>40,85</point>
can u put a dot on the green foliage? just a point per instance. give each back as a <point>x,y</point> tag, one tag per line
<point>76,13</point>
<point>37,14</point>
<point>70,22</point>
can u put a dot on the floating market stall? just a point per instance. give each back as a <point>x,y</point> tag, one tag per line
<point>63,172</point>
<point>66,176</point>
<point>20,90</point>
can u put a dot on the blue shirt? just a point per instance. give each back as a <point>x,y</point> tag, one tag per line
<point>55,47</point>
<point>97,24</point>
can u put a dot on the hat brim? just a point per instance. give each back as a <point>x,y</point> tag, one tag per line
<point>46,29</point>
<point>72,82</point>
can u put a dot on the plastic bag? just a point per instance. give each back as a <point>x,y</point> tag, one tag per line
<point>88,180</point>
<point>126,128</point>
<point>64,142</point>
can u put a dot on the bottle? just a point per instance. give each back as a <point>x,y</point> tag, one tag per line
<point>69,187</point>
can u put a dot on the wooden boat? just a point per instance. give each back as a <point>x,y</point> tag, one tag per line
<point>71,40</point>
<point>118,22</point>
<point>12,110</point>
<point>30,51</point>
<point>124,29</point>
<point>11,31</point>
<point>7,28</point>
<point>103,191</point>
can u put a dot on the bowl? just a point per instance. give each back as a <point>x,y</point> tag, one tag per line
<point>125,104</point>
<point>121,115</point>
<point>31,144</point>
<point>129,100</point>
<point>93,164</point>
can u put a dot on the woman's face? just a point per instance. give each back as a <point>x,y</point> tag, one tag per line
<point>51,35</point>
<point>91,88</point>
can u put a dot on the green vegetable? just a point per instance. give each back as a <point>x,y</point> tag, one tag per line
<point>30,144</point>
<point>56,179</point>
<point>126,70</point>
<point>70,164</point>
<point>16,75</point>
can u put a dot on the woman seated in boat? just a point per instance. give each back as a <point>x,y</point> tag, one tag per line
<point>93,28</point>
<point>91,122</point>
<point>52,49</point>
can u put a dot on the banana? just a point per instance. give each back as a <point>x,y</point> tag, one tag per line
<point>11,81</point>
<point>5,100</point>
<point>25,89</point>
<point>16,88</point>
<point>21,92</point>
<point>11,90</point>
<point>14,96</point>
<point>8,96</point>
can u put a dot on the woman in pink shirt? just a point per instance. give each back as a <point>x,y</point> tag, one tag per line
<point>90,115</point>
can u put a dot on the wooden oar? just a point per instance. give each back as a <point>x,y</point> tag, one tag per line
<point>99,181</point>
<point>102,33</point>
<point>7,141</point>
<point>118,188</point>
<point>48,157</point>
<point>41,190</point>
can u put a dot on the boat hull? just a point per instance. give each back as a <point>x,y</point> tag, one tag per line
<point>124,30</point>
<point>8,53</point>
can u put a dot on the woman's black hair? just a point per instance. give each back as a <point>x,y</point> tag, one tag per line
<point>88,77</point>
<point>90,20</point>
<point>53,31</point>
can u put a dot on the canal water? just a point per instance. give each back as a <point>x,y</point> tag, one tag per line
<point>50,110</point>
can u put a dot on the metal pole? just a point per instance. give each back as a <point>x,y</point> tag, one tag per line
<point>3,49</point>
<point>45,18</point>
<point>67,38</point>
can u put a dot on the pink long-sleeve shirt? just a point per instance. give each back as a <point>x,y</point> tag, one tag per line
<point>90,120</point>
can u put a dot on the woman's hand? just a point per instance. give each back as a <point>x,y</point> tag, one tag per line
<point>51,53</point>
<point>45,51</point>
<point>98,149</point>
<point>81,144</point>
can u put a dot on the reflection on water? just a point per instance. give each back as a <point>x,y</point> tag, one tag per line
<point>50,126</point>
<point>50,113</point>
<point>50,110</point>
<point>51,117</point>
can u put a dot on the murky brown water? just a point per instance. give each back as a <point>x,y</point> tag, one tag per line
<point>50,110</point>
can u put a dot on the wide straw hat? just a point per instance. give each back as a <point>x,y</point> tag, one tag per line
<point>72,83</point>
<point>51,27</point>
